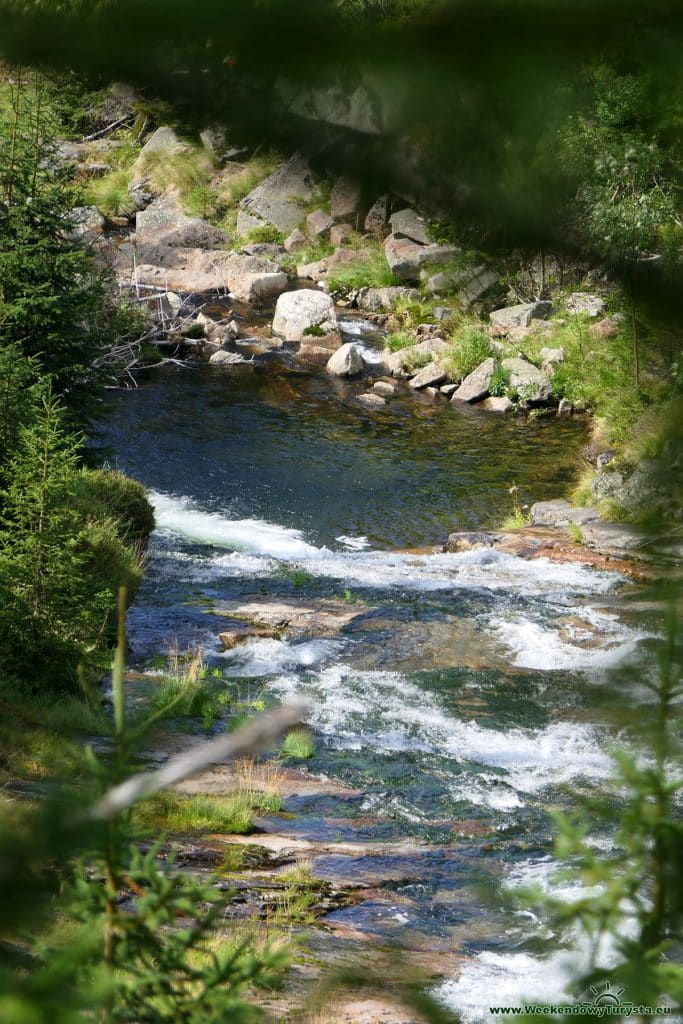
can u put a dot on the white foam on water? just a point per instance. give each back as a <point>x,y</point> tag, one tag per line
<point>546,874</point>
<point>254,536</point>
<point>507,979</point>
<point>487,790</point>
<point>355,543</point>
<point>472,570</point>
<point>384,711</point>
<point>513,979</point>
<point>262,657</point>
<point>538,646</point>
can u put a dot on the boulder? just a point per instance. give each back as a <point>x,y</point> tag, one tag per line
<point>448,389</point>
<point>270,249</point>
<point>372,400</point>
<point>384,388</point>
<point>345,199</point>
<point>164,139</point>
<point>519,316</point>
<point>141,193</point>
<point>87,223</point>
<point>551,359</point>
<point>565,408</point>
<point>314,271</point>
<point>377,219</point>
<point>470,284</point>
<point>405,258</point>
<point>607,484</point>
<point>530,383</point>
<point>613,536</point>
<point>374,300</point>
<point>223,358</point>
<point>397,363</point>
<point>496,403</point>
<point>560,513</point>
<point>482,280</point>
<point>476,385</point>
<point>304,312</point>
<point>170,268</point>
<point>163,220</point>
<point>214,140</point>
<point>471,540</point>
<point>279,199</point>
<point>339,233</point>
<point>607,328</point>
<point>346,362</point>
<point>584,302</point>
<point>295,240</point>
<point>318,223</point>
<point>409,224</point>
<point>429,376</point>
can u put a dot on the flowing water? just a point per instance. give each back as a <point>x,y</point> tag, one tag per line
<point>467,690</point>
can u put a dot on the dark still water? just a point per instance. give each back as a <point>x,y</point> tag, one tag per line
<point>299,451</point>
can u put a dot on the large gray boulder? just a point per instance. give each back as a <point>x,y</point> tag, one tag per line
<point>408,223</point>
<point>476,385</point>
<point>519,316</point>
<point>346,362</point>
<point>304,313</point>
<point>165,221</point>
<point>280,199</point>
<point>406,258</point>
<point>530,383</point>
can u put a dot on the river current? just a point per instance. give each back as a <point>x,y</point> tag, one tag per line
<point>462,701</point>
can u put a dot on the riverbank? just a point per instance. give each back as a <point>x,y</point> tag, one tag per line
<point>522,335</point>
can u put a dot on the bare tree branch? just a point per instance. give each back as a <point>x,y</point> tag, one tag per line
<point>250,739</point>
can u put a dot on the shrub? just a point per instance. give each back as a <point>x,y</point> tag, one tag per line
<point>99,493</point>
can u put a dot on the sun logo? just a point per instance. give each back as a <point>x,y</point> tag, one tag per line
<point>605,996</point>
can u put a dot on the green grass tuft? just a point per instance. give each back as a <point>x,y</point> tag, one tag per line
<point>369,270</point>
<point>470,346</point>
<point>298,744</point>
<point>178,813</point>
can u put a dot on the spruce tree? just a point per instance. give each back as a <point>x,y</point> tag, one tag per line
<point>53,610</point>
<point>51,290</point>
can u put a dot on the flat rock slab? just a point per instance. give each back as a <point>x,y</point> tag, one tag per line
<point>291,845</point>
<point>319,618</point>
<point>552,543</point>
<point>614,536</point>
<point>561,513</point>
<point>280,199</point>
<point>199,271</point>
